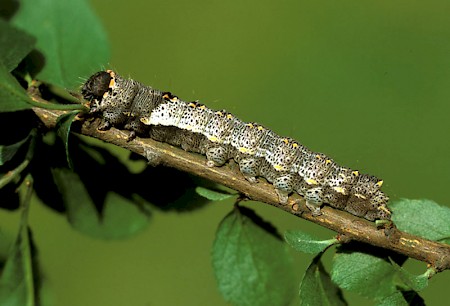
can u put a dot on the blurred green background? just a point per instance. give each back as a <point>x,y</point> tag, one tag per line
<point>365,82</point>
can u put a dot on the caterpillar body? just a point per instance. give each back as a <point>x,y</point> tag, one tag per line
<point>220,136</point>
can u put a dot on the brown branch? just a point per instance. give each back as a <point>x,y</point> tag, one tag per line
<point>351,227</point>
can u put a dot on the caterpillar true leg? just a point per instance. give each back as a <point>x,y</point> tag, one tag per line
<point>104,126</point>
<point>216,155</point>
<point>314,208</point>
<point>284,185</point>
<point>249,167</point>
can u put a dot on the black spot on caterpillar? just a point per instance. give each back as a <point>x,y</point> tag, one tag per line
<point>259,152</point>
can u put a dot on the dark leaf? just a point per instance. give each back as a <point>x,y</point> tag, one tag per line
<point>15,43</point>
<point>17,167</point>
<point>17,283</point>
<point>8,152</point>
<point>63,126</point>
<point>68,34</point>
<point>101,173</point>
<point>12,96</point>
<point>168,189</point>
<point>251,264</point>
<point>118,217</point>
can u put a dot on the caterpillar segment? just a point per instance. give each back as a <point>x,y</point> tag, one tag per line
<point>246,144</point>
<point>219,126</point>
<point>167,113</point>
<point>194,117</point>
<point>140,108</point>
<point>259,152</point>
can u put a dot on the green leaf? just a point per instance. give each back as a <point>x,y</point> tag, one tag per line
<point>424,218</point>
<point>317,288</point>
<point>395,299</point>
<point>8,152</point>
<point>12,96</point>
<point>63,125</point>
<point>212,195</point>
<point>15,43</point>
<point>402,298</point>
<point>68,34</point>
<point>16,283</point>
<point>416,283</point>
<point>113,217</point>
<point>368,275</point>
<point>251,263</point>
<point>303,242</point>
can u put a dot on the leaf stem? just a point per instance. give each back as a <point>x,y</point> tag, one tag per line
<point>11,175</point>
<point>26,241</point>
<point>430,272</point>
<point>36,100</point>
<point>47,105</point>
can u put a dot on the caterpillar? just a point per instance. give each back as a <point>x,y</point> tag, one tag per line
<point>220,136</point>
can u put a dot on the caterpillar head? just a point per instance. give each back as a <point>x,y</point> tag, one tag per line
<point>97,85</point>
<point>110,97</point>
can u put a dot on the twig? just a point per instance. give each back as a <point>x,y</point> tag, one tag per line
<point>353,228</point>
